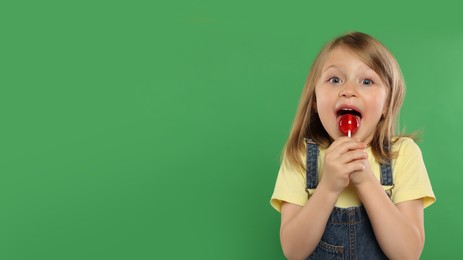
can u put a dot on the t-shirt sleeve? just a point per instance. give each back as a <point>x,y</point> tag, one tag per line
<point>411,180</point>
<point>290,187</point>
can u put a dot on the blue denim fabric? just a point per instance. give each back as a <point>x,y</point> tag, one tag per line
<point>312,164</point>
<point>348,233</point>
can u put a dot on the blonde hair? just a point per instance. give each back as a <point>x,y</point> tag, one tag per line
<point>307,124</point>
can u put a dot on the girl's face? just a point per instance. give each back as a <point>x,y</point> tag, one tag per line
<point>347,85</point>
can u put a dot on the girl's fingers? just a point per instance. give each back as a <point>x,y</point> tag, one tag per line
<point>355,166</point>
<point>353,156</point>
<point>338,142</point>
<point>344,145</point>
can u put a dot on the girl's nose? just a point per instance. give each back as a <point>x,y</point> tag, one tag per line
<point>348,90</point>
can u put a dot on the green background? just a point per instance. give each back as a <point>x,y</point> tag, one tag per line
<point>150,130</point>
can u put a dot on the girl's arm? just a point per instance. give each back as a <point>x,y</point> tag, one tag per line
<point>399,228</point>
<point>302,227</point>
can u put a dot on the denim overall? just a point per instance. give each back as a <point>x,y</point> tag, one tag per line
<point>348,233</point>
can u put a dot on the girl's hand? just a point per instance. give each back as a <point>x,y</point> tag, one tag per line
<point>344,156</point>
<point>362,176</point>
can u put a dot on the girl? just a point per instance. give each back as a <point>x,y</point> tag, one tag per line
<point>359,197</point>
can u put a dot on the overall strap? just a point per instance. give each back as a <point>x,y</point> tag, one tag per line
<point>386,174</point>
<point>312,168</point>
<point>386,170</point>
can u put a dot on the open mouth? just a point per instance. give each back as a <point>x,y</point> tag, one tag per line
<point>345,111</point>
<point>348,121</point>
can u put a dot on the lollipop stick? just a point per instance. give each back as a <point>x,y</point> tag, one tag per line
<point>349,133</point>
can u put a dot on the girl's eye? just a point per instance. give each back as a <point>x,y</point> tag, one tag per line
<point>335,80</point>
<point>367,82</point>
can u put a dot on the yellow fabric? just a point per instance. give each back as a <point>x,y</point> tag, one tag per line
<point>410,178</point>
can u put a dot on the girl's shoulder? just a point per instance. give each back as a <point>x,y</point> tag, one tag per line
<point>406,146</point>
<point>400,142</point>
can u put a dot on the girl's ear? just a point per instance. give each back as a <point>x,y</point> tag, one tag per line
<point>385,108</point>
<point>384,111</point>
<point>314,105</point>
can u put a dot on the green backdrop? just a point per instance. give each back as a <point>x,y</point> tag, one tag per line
<point>150,130</point>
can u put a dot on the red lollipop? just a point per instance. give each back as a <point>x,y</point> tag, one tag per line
<point>348,124</point>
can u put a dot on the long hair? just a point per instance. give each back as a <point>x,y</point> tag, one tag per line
<point>307,123</point>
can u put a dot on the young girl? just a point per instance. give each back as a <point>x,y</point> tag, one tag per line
<point>359,196</point>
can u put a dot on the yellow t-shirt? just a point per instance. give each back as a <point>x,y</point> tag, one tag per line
<point>409,173</point>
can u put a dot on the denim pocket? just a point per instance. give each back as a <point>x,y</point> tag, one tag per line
<point>327,251</point>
